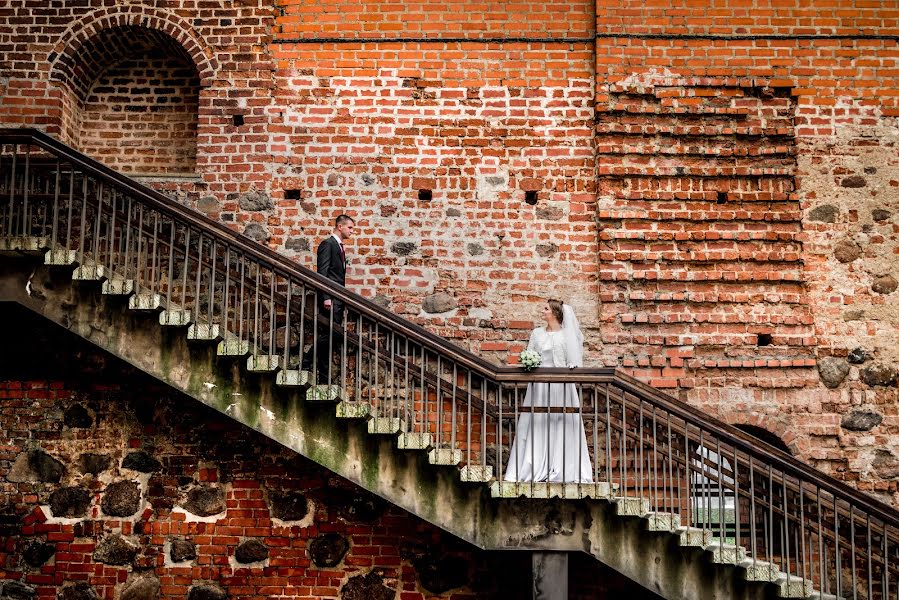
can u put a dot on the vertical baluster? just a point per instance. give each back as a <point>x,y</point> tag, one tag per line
<point>752,530</point>
<point>288,326</point>
<point>154,276</point>
<point>170,275</point>
<point>736,471</point>
<point>226,297</point>
<point>129,274</point>
<point>12,193</point>
<point>622,451</point>
<point>453,423</point>
<point>654,475</point>
<point>483,457</point>
<point>196,291</point>
<point>26,189</point>
<point>184,270</point>
<point>801,535</point>
<point>468,418</point>
<point>499,432</point>
<point>823,584</point>
<point>838,570</point>
<point>70,205</point>
<point>722,517</point>
<point>785,525</point>
<point>608,436</point>
<point>869,551</point>
<point>95,249</point>
<point>344,321</point>
<point>331,341</point>
<point>210,295</point>
<point>439,406</point>
<point>83,224</point>
<point>55,219</point>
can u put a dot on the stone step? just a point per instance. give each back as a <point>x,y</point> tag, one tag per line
<point>793,586</point>
<point>24,244</point>
<point>233,347</point>
<point>61,257</point>
<point>476,473</point>
<point>824,596</point>
<point>694,537</point>
<point>324,393</point>
<point>601,490</point>
<point>726,554</point>
<point>385,425</point>
<point>414,441</point>
<point>445,456</point>
<point>631,507</point>
<point>145,301</point>
<point>204,332</point>
<point>117,286</point>
<point>263,363</point>
<point>354,410</point>
<point>292,378</point>
<point>663,521</point>
<point>90,271</point>
<point>175,317</point>
<point>759,570</point>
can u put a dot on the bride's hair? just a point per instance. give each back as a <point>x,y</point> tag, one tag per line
<point>556,307</point>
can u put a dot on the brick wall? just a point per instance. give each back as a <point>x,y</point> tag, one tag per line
<point>712,185</point>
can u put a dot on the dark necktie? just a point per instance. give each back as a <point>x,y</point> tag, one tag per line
<point>342,254</point>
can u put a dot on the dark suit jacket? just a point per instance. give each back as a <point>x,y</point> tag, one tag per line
<point>330,263</point>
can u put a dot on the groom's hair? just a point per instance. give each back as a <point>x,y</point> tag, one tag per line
<point>341,219</point>
<point>556,307</point>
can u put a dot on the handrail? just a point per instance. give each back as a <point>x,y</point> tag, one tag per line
<point>501,374</point>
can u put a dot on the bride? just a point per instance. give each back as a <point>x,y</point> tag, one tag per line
<point>552,446</point>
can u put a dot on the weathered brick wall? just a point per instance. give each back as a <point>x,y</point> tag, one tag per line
<point>714,185</point>
<point>812,265</point>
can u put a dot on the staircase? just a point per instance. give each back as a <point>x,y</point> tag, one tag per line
<point>680,503</point>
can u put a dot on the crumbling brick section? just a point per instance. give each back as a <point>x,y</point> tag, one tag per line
<point>700,222</point>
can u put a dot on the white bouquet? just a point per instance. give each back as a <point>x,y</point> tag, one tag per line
<point>529,359</point>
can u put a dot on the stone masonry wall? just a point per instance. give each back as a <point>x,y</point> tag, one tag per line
<point>713,186</point>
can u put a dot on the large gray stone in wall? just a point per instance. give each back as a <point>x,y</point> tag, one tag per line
<point>141,587</point>
<point>121,499</point>
<point>70,502</point>
<point>367,587</point>
<point>255,200</point>
<point>13,590</point>
<point>77,417</point>
<point>257,232</point>
<point>208,591</point>
<point>440,302</point>
<point>205,500</point>
<point>291,506</point>
<point>251,551</point>
<point>833,370</point>
<point>77,591</point>
<point>94,464</point>
<point>37,553</point>
<point>328,549</point>
<point>861,419</point>
<point>182,549</point>
<point>36,466</point>
<point>115,550</point>
<point>141,462</point>
<point>879,374</point>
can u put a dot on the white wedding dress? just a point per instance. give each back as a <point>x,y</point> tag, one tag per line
<point>550,447</point>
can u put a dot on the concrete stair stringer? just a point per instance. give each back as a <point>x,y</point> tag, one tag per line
<point>407,479</point>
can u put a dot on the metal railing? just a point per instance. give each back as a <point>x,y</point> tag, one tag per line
<point>570,433</point>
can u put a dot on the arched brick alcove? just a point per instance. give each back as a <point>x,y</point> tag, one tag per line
<point>131,84</point>
<point>135,101</point>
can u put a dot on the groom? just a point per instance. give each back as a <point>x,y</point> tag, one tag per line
<point>331,263</point>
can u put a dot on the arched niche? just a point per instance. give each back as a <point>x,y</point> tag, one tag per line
<point>131,100</point>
